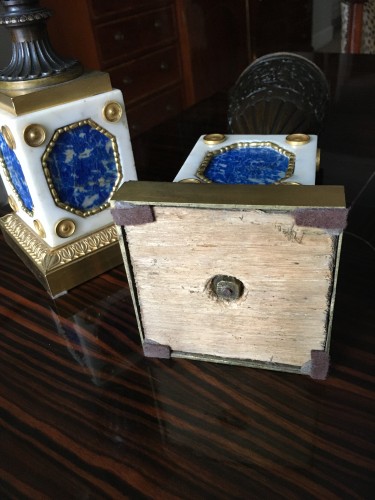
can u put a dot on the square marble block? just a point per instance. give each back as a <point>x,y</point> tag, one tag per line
<point>61,165</point>
<point>252,159</point>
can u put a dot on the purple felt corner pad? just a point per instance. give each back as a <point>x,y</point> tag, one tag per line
<point>125,214</point>
<point>152,349</point>
<point>324,218</point>
<point>317,367</point>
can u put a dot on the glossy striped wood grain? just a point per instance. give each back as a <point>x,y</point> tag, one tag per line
<point>84,415</point>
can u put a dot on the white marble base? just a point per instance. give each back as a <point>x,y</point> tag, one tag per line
<point>305,164</point>
<point>45,209</point>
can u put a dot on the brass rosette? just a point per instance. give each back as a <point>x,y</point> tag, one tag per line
<point>38,226</point>
<point>8,137</point>
<point>34,135</point>
<point>112,112</point>
<point>65,228</point>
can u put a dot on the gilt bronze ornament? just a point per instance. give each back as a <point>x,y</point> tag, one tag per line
<point>64,151</point>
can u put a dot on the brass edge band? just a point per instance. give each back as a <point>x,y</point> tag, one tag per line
<point>39,83</point>
<point>26,101</point>
<point>229,195</point>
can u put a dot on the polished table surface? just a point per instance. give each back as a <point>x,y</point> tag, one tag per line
<point>84,415</point>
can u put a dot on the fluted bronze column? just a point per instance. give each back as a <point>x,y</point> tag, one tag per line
<point>33,60</point>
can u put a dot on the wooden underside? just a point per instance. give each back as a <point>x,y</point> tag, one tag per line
<point>286,272</point>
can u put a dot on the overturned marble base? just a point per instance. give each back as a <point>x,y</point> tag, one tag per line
<point>233,274</point>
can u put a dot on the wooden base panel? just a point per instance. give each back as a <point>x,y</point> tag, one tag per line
<point>234,282</point>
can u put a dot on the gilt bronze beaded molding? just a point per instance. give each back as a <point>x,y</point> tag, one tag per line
<point>47,173</point>
<point>258,144</point>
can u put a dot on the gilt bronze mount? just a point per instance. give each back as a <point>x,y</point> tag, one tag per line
<point>64,149</point>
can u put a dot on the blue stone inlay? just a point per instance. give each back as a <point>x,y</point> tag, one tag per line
<point>83,167</point>
<point>247,165</point>
<point>16,176</point>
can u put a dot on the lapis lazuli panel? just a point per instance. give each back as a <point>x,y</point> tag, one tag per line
<point>15,174</point>
<point>83,168</point>
<point>247,165</point>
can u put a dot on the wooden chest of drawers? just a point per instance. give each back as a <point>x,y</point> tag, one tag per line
<point>165,55</point>
<point>135,34</point>
<point>135,41</point>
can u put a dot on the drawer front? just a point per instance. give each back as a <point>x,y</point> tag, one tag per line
<point>104,8</point>
<point>154,111</point>
<point>147,75</point>
<point>136,34</point>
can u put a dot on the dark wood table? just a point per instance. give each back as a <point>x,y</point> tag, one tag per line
<point>84,415</point>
